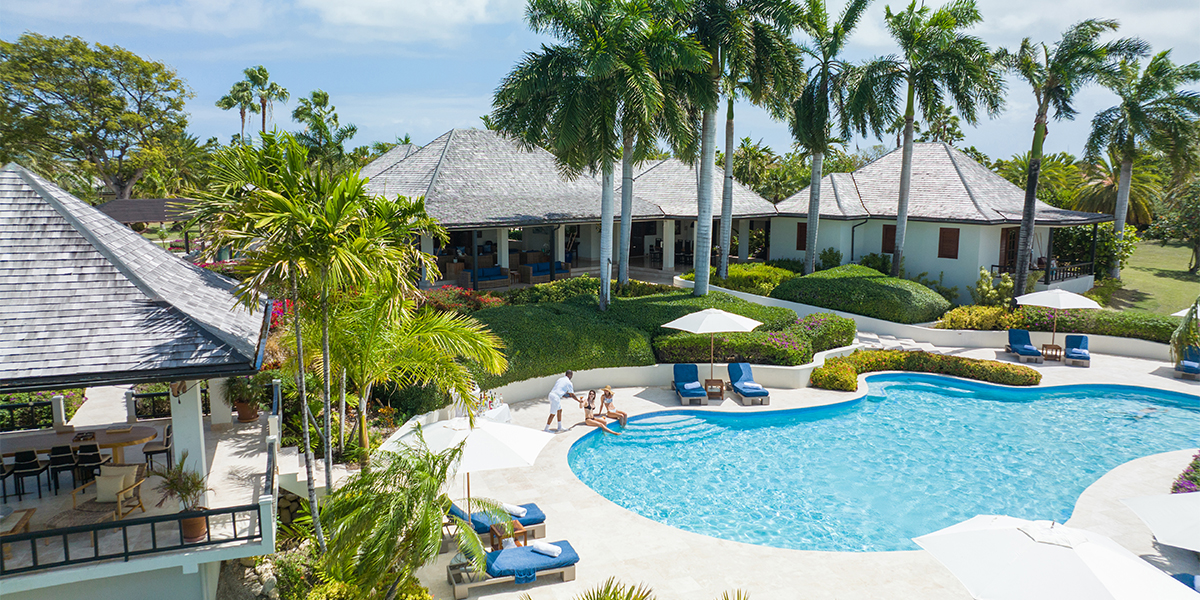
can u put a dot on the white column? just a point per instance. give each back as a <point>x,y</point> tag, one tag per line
<point>187,421</point>
<point>668,262</point>
<point>58,411</point>
<point>560,243</point>
<point>130,407</point>
<point>502,246</point>
<point>221,414</point>
<point>743,240</point>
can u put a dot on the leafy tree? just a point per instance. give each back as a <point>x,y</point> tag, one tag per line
<point>324,136</point>
<point>1074,245</point>
<point>1101,185</point>
<point>936,58</point>
<point>1180,220</point>
<point>101,105</point>
<point>751,162</point>
<point>1153,112</point>
<point>1055,74</point>
<point>241,97</point>
<point>978,156</point>
<point>943,128</point>
<point>175,166</point>
<point>266,91</point>
<point>1059,177</point>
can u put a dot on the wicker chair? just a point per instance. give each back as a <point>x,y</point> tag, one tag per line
<point>132,495</point>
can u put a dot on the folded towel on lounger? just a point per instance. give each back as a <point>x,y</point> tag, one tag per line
<point>691,385</point>
<point>544,548</point>
<point>752,385</point>
<point>514,510</point>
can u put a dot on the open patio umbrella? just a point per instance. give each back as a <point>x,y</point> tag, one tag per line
<point>1001,558</point>
<point>1182,313</point>
<point>713,321</point>
<point>1174,518</point>
<point>1058,300</point>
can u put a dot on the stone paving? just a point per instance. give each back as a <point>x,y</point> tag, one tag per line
<point>614,542</point>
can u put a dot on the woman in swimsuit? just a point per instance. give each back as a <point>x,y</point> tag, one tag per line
<point>607,399</point>
<point>589,416</point>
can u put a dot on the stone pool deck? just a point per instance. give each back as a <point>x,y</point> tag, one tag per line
<point>614,542</point>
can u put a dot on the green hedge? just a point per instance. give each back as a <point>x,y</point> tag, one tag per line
<point>833,375</point>
<point>865,291</point>
<point>648,313</point>
<point>752,278</point>
<point>1144,326</point>
<point>794,345</point>
<point>566,289</point>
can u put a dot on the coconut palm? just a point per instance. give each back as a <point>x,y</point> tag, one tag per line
<point>266,91</point>
<point>241,97</point>
<point>323,135</point>
<point>1154,112</point>
<point>837,93</point>
<point>1102,181</point>
<point>937,59</point>
<point>1056,73</point>
<point>1059,177</point>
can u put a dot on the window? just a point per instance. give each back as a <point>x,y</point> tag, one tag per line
<point>948,242</point>
<point>801,236</point>
<point>889,239</point>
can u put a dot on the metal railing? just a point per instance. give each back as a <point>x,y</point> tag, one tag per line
<point>157,405</point>
<point>26,415</point>
<point>1063,273</point>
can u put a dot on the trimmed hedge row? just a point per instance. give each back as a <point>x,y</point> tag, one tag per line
<point>865,291</point>
<point>752,278</point>
<point>648,313</point>
<point>565,289</point>
<point>841,373</point>
<point>794,345</point>
<point>1144,326</point>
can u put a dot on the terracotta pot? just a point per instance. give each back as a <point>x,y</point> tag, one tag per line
<point>194,529</point>
<point>246,412</point>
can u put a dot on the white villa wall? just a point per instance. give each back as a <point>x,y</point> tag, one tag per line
<point>171,582</point>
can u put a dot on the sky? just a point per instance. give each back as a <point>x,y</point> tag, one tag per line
<point>422,67</point>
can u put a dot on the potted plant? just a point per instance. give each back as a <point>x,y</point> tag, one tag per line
<point>188,487</point>
<point>240,393</point>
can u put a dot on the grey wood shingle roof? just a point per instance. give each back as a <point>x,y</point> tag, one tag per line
<point>671,184</point>
<point>145,210</point>
<point>947,186</point>
<point>86,301</point>
<point>478,178</point>
<point>389,158</point>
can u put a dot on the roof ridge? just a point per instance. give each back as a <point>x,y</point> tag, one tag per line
<point>656,165</point>
<point>438,167</point>
<point>966,186</point>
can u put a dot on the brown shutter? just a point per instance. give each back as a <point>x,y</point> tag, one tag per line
<point>801,236</point>
<point>889,239</point>
<point>948,242</point>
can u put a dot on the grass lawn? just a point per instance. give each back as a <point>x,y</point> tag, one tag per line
<point>1157,280</point>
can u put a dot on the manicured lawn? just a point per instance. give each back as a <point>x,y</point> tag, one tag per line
<point>1157,280</point>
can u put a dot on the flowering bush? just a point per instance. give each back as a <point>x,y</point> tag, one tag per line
<point>792,345</point>
<point>978,318</point>
<point>1189,479</point>
<point>227,268</point>
<point>922,362</point>
<point>281,311</point>
<point>177,245</point>
<point>39,417</point>
<point>1145,326</point>
<point>450,298</point>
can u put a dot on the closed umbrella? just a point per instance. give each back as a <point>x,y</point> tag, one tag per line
<point>1002,558</point>
<point>713,321</point>
<point>1174,518</point>
<point>1182,313</point>
<point>1058,300</point>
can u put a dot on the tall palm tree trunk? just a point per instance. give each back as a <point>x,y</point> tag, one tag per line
<point>242,110</point>
<point>727,196</point>
<point>1025,239</point>
<point>364,438</point>
<point>606,236</point>
<point>703,246</point>
<point>342,414</point>
<point>814,213</point>
<point>626,205</point>
<point>300,392</point>
<point>1122,208</point>
<point>264,115</point>
<point>905,183</point>
<point>326,400</point>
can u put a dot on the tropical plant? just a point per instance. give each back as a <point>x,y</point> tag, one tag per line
<point>1059,177</point>
<point>1102,184</point>
<point>612,589</point>
<point>174,165</point>
<point>1179,220</point>
<point>1154,112</point>
<point>323,135</point>
<point>241,97</point>
<point>182,484</point>
<point>1056,74</point>
<point>936,58</point>
<point>836,93</point>
<point>943,128</point>
<point>268,92</point>
<point>1188,332</point>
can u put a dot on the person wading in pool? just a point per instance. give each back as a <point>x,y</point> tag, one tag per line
<point>562,389</point>
<point>609,410</point>
<point>589,415</point>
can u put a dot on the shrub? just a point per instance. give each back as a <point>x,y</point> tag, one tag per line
<point>410,400</point>
<point>1103,291</point>
<point>335,590</point>
<point>1189,480</point>
<point>837,374</point>
<point>950,293</point>
<point>1145,326</point>
<point>923,362</point>
<point>879,262</point>
<point>986,292</point>
<point>1074,245</point>
<point>451,298</point>
<point>978,318</point>
<point>790,264</point>
<point>793,345</point>
<point>752,278</point>
<point>830,258</point>
<point>40,417</point>
<point>864,291</point>
<point>566,289</point>
<point>648,313</point>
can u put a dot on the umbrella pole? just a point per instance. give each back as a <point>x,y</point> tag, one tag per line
<point>468,495</point>
<point>1054,332</point>
<point>712,337</point>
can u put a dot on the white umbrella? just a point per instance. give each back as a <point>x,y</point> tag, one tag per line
<point>1174,518</point>
<point>1182,313</point>
<point>713,321</point>
<point>998,558</point>
<point>1058,300</point>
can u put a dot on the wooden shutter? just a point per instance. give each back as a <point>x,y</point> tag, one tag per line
<point>948,242</point>
<point>801,236</point>
<point>889,239</point>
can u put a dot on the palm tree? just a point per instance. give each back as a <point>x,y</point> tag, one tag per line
<point>323,135</point>
<point>265,90</point>
<point>835,90</point>
<point>1102,182</point>
<point>1059,178</point>
<point>1154,111</point>
<point>1056,74</point>
<point>937,58</point>
<point>241,97</point>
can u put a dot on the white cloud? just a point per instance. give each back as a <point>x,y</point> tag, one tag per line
<point>445,21</point>
<point>210,16</point>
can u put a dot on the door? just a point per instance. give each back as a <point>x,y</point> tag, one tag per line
<point>1009,241</point>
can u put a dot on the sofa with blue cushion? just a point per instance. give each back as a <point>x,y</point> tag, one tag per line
<point>544,272</point>
<point>1189,364</point>
<point>489,278</point>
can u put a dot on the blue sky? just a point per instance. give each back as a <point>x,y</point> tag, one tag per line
<point>424,66</point>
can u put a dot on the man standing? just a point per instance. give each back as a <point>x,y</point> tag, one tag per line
<point>562,389</point>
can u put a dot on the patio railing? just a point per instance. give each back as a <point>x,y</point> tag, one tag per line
<point>25,415</point>
<point>157,405</point>
<point>1063,273</point>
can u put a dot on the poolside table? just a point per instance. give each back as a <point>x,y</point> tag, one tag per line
<point>715,388</point>
<point>1052,352</point>
<point>44,440</point>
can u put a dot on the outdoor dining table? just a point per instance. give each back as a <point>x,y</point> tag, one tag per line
<point>43,441</point>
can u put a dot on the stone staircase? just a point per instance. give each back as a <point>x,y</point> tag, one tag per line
<point>293,478</point>
<point>874,341</point>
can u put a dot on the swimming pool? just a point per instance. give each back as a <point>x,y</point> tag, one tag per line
<point>918,453</point>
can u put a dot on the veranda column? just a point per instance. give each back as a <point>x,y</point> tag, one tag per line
<point>502,247</point>
<point>743,240</point>
<point>221,414</point>
<point>668,261</point>
<point>187,427</point>
<point>560,243</point>
<point>130,408</point>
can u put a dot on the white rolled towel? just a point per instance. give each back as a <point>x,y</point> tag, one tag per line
<point>514,510</point>
<point>507,543</point>
<point>691,385</point>
<point>752,385</point>
<point>543,548</point>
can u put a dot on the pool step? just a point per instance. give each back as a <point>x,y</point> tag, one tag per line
<point>874,341</point>
<point>674,427</point>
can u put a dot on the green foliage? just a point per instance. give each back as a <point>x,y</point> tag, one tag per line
<point>459,300</point>
<point>411,589</point>
<point>986,292</point>
<point>39,417</point>
<point>294,573</point>
<point>796,266</point>
<point>950,293</point>
<point>830,258</point>
<point>1189,480</point>
<point>1098,191</point>
<point>865,291</point>
<point>1188,332</point>
<point>323,135</point>
<point>410,400</point>
<point>836,370</point>
<point>1144,326</point>
<point>1179,219</point>
<point>335,590</point>
<point>648,313</point>
<point>794,345</point>
<point>1059,179</point>
<point>1074,245</point>
<point>752,278</point>
<point>566,289</point>
<point>879,262</point>
<point>1103,291</point>
<point>979,318</point>
<point>180,483</point>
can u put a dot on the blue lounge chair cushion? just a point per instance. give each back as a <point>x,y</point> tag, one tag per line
<point>482,523</point>
<point>739,375</point>
<point>523,564</point>
<point>1187,366</point>
<point>685,373</point>
<point>559,268</point>
<point>1018,342</point>
<point>491,274</point>
<point>1077,348</point>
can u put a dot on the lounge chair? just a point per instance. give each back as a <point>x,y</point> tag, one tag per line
<point>1076,351</point>
<point>534,520</point>
<point>1189,364</point>
<point>684,375</point>
<point>1019,344</point>
<point>741,379</point>
<point>517,565</point>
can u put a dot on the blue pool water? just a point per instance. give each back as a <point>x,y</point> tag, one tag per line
<point>918,453</point>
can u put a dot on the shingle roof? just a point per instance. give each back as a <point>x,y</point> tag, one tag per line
<point>671,184</point>
<point>389,158</point>
<point>145,210</point>
<point>478,178</point>
<point>947,186</point>
<point>86,301</point>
